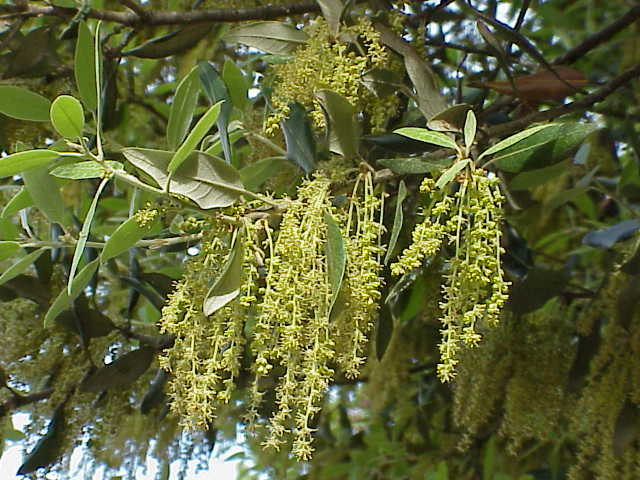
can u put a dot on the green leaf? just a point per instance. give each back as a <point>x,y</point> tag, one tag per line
<point>205,179</point>
<point>424,135</point>
<point>513,139</point>
<point>84,66</point>
<point>80,170</point>
<point>195,136</point>
<point>64,298</point>
<point>48,448</point>
<point>84,233</point>
<point>539,286</point>
<point>23,104</point>
<point>270,37</point>
<point>172,43</point>
<point>121,372</point>
<point>27,160</point>
<point>216,91</point>
<point>332,13</point>
<point>255,174</point>
<point>450,174</point>
<point>534,178</point>
<point>414,165</point>
<point>125,237</point>
<point>236,83</point>
<point>470,129</point>
<point>545,147</point>
<point>67,116</point>
<point>20,266</point>
<point>20,200</point>
<point>182,108</point>
<point>8,249</point>
<point>398,219</point>
<point>298,136</point>
<point>336,256</point>
<point>45,193</point>
<point>341,121</point>
<point>450,120</point>
<point>227,286</point>
<point>607,237</point>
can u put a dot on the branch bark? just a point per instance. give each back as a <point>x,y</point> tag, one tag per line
<point>598,38</point>
<point>582,103</point>
<point>154,18</point>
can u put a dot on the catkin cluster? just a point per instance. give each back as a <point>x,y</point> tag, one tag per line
<point>206,355</point>
<point>305,329</point>
<point>307,322</point>
<point>474,290</point>
<point>337,63</point>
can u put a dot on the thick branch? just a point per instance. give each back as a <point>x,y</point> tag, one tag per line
<point>598,38</point>
<point>17,401</point>
<point>583,103</point>
<point>270,12</point>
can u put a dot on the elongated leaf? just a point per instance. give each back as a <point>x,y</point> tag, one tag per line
<point>398,220</point>
<point>607,237</point>
<point>227,286</point>
<point>8,249</point>
<point>20,266</point>
<point>64,298</point>
<point>79,171</point>
<point>195,136</point>
<point>513,139</point>
<point>84,66</point>
<point>125,237</point>
<point>270,37</point>
<point>84,234</point>
<point>536,289</point>
<point>19,201</point>
<point>470,129</point>
<point>429,99</point>
<point>172,43</point>
<point>217,91</point>
<point>182,108</point>
<point>414,165</point>
<point>121,372</point>
<point>545,147</point>
<point>341,122</point>
<point>450,120</point>
<point>254,175</point>
<point>23,104</point>
<point>236,84</point>
<point>205,179</point>
<point>48,448</point>
<point>534,178</point>
<point>45,193</point>
<point>450,174</point>
<point>298,136</point>
<point>424,135</point>
<point>67,116</point>
<point>336,256</point>
<point>332,12</point>
<point>27,160</point>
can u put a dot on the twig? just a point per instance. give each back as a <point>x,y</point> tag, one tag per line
<point>137,9</point>
<point>17,401</point>
<point>597,38</point>
<point>584,102</point>
<point>163,17</point>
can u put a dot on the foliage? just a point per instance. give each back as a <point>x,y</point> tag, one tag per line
<point>328,227</point>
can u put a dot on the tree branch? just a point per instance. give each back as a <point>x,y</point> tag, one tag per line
<point>598,38</point>
<point>153,18</point>
<point>583,103</point>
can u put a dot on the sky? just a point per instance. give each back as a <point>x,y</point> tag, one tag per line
<point>224,470</point>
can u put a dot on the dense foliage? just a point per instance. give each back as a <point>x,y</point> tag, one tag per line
<point>379,239</point>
